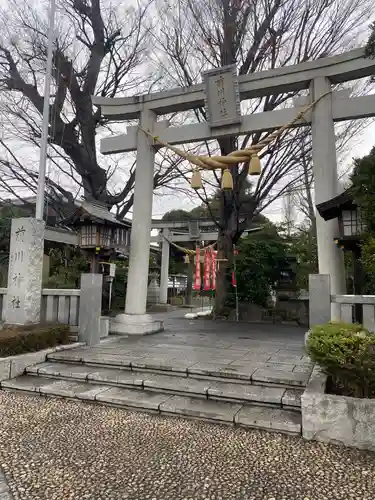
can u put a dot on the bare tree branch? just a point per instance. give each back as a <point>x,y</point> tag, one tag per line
<point>98,50</point>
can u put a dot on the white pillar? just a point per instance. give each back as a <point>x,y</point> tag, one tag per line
<point>39,208</point>
<point>330,258</point>
<point>135,320</point>
<point>164,272</point>
<point>136,293</point>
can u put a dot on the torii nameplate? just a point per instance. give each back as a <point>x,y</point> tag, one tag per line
<point>222,97</point>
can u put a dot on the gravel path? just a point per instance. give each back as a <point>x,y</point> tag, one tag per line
<point>61,450</point>
<point>5,493</point>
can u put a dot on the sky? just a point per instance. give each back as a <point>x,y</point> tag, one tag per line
<point>360,146</point>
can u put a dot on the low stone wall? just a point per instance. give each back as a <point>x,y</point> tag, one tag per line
<point>336,419</point>
<point>297,309</point>
<point>292,310</point>
<point>13,366</point>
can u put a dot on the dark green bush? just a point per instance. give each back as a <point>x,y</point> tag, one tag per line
<point>31,338</point>
<point>347,354</point>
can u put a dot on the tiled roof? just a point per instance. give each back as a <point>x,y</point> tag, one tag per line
<point>100,211</point>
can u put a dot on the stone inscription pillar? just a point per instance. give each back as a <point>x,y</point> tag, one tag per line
<point>23,299</point>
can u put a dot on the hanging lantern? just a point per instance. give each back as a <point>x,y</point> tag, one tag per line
<point>227,180</point>
<point>207,270</point>
<point>197,275</point>
<point>213,270</point>
<point>196,180</point>
<point>255,167</point>
<point>187,259</point>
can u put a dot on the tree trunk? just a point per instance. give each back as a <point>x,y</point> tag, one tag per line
<point>223,280</point>
<point>228,231</point>
<point>189,285</point>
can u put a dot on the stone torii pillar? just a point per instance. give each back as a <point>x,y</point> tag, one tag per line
<point>135,320</point>
<point>164,271</point>
<point>330,258</point>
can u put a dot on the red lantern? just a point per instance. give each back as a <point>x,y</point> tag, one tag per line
<point>213,265</point>
<point>197,277</point>
<point>207,270</point>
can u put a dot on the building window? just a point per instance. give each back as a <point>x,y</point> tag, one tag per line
<point>127,238</point>
<point>105,237</point>
<point>352,223</point>
<point>88,236</point>
<point>120,237</point>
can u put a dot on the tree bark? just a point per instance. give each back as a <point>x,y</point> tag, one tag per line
<point>228,231</point>
<point>223,281</point>
<point>189,285</point>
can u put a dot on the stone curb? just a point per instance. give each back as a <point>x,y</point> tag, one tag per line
<point>13,366</point>
<point>333,419</point>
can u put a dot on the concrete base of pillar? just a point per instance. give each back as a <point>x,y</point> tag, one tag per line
<point>135,324</point>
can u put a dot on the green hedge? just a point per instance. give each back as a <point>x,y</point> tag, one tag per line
<point>346,353</point>
<point>31,338</point>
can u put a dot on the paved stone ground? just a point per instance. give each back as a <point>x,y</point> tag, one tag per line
<point>64,450</point>
<point>221,345</point>
<point>231,331</point>
<point>174,321</point>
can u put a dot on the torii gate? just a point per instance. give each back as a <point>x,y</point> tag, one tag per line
<point>317,76</point>
<point>192,231</point>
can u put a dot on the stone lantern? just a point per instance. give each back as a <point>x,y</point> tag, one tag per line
<point>101,235</point>
<point>351,228</point>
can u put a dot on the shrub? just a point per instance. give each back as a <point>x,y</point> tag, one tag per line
<point>31,338</point>
<point>347,354</point>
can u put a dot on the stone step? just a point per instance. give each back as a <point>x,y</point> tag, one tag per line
<point>244,415</point>
<point>187,386</point>
<point>249,372</point>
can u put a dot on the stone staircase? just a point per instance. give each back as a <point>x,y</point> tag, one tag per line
<point>269,399</point>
